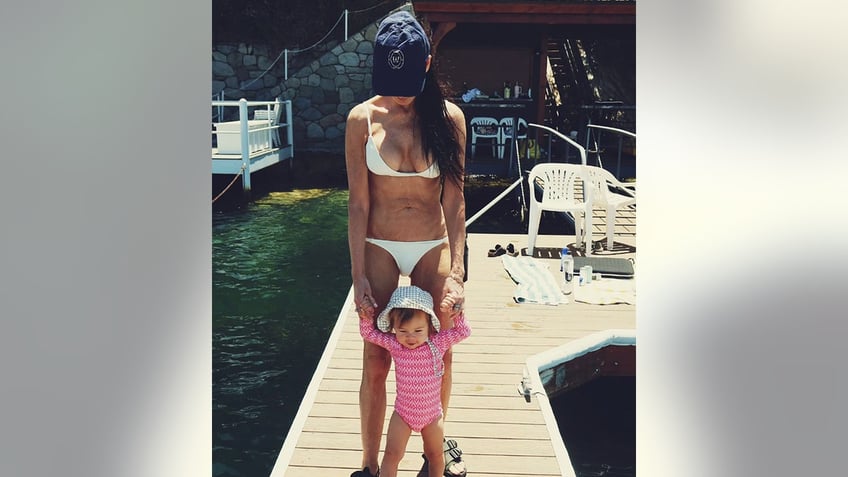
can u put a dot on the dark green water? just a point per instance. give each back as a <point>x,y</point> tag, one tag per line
<point>597,422</point>
<point>281,272</point>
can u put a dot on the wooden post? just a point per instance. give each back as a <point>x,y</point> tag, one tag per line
<point>512,158</point>
<point>542,78</point>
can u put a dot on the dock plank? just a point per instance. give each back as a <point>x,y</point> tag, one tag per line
<point>499,432</point>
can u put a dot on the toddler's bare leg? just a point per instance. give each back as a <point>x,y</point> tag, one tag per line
<point>433,434</point>
<point>396,439</point>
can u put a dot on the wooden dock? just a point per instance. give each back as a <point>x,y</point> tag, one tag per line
<point>499,432</point>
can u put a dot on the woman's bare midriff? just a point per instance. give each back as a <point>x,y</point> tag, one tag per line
<point>406,209</point>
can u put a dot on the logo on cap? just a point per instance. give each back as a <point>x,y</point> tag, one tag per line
<point>395,59</point>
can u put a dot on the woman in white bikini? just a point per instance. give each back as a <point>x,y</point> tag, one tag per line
<point>405,157</point>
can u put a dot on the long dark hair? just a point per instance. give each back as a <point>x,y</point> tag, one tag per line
<point>439,134</point>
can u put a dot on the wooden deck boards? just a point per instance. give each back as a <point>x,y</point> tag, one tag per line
<point>499,432</point>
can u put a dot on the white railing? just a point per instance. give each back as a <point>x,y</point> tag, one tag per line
<point>494,201</point>
<point>258,143</point>
<point>568,140</point>
<point>271,128</point>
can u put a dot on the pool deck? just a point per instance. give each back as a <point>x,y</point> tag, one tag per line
<point>499,433</point>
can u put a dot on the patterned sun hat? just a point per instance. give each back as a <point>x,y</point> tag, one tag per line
<point>408,297</point>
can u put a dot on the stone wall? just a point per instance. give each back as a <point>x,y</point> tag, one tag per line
<point>322,92</point>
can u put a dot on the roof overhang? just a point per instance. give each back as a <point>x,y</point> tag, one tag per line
<point>601,13</point>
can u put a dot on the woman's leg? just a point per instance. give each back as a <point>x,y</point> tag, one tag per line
<point>372,402</point>
<point>383,276</point>
<point>396,439</point>
<point>430,274</point>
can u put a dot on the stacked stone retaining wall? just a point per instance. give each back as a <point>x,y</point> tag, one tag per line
<point>322,92</point>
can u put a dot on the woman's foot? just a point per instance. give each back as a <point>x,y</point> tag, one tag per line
<point>366,472</point>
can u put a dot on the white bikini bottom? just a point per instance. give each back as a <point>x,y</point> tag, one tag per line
<point>407,254</point>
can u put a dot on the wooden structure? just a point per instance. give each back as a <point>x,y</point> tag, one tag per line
<point>487,43</point>
<point>245,146</point>
<point>567,57</point>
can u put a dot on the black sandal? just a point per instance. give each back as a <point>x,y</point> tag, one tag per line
<point>497,251</point>
<point>366,472</point>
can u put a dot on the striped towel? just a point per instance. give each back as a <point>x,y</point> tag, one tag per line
<point>536,283</point>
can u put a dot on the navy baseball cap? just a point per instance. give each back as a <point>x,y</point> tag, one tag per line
<point>401,49</point>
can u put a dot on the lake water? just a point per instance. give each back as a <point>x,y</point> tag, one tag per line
<point>280,274</point>
<point>597,422</point>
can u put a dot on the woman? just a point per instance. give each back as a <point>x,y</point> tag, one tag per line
<point>405,157</point>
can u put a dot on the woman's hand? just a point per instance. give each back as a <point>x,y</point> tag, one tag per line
<point>363,302</point>
<point>454,300</point>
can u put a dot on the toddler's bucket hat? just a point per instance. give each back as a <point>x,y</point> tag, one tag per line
<point>401,48</point>
<point>408,297</point>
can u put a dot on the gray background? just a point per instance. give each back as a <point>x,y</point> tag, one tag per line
<point>105,344</point>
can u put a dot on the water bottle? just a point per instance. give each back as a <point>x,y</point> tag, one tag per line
<point>566,266</point>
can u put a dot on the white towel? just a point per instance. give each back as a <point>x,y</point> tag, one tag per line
<point>606,291</point>
<point>536,283</point>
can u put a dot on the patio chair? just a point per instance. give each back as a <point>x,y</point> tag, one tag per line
<point>485,128</point>
<point>506,131</point>
<point>559,182</point>
<point>604,186</point>
<point>273,115</point>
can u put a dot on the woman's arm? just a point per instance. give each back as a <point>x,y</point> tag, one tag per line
<point>356,134</point>
<point>453,204</point>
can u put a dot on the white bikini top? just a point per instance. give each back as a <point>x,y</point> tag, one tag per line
<point>378,166</point>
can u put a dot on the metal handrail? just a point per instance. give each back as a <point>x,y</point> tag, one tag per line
<point>567,139</point>
<point>494,201</point>
<point>608,128</point>
<point>520,179</point>
<point>620,132</point>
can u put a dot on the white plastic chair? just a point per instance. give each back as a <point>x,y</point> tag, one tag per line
<point>602,182</point>
<point>273,116</point>
<point>486,128</point>
<point>559,183</point>
<point>506,131</point>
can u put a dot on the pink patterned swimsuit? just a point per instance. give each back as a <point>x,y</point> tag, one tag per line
<point>418,371</point>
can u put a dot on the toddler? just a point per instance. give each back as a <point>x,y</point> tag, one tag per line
<point>417,348</point>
